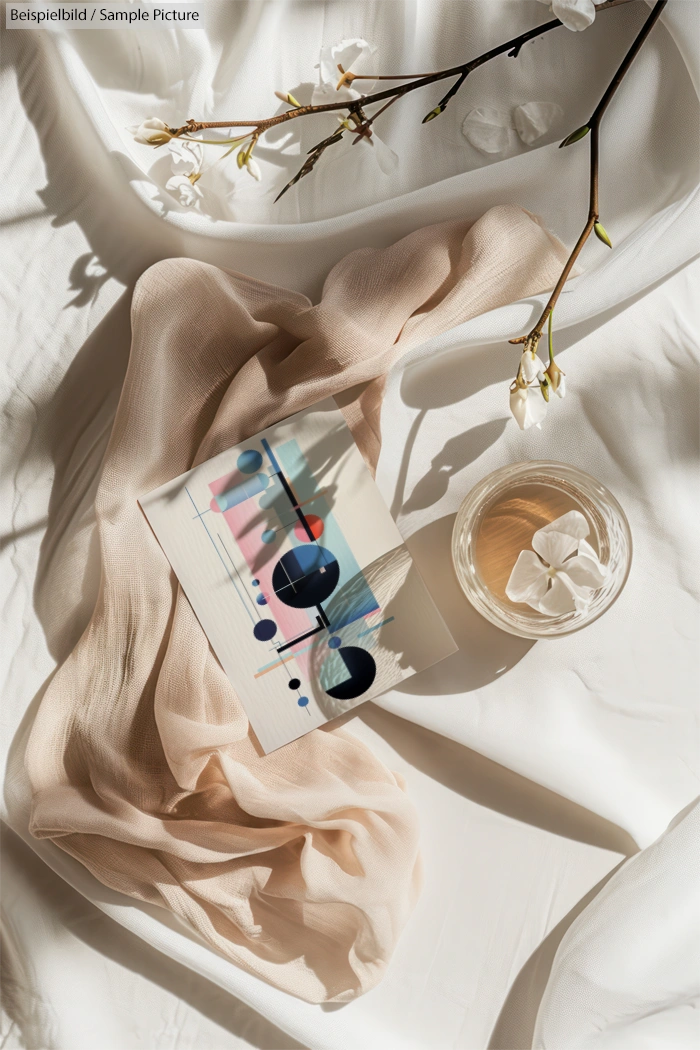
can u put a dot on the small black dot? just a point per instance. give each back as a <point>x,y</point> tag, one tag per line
<point>294,683</point>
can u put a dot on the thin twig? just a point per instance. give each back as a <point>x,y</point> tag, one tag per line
<point>461,71</point>
<point>593,125</point>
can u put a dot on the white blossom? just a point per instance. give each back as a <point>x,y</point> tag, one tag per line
<point>528,406</point>
<point>253,168</point>
<point>526,400</point>
<point>349,53</point>
<point>562,572</point>
<point>533,119</point>
<point>574,14</point>
<point>345,53</point>
<point>151,132</point>
<point>531,367</point>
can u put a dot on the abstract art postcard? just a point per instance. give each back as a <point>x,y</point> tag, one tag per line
<point>298,575</point>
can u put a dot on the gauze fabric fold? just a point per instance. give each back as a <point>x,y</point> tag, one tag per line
<point>300,866</point>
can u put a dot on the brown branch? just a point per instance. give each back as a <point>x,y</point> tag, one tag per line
<point>355,106</point>
<point>460,71</point>
<point>592,126</point>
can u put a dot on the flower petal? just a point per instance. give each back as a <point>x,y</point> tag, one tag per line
<point>531,366</point>
<point>586,572</point>
<point>527,410</point>
<point>152,132</point>
<point>574,14</point>
<point>518,405</point>
<point>488,129</point>
<point>387,160</point>
<point>557,600</point>
<point>585,548</point>
<point>253,168</point>
<point>534,119</point>
<point>572,523</point>
<point>580,594</point>
<point>528,580</point>
<point>553,547</point>
<point>345,53</point>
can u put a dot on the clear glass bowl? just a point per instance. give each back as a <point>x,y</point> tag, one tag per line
<point>540,491</point>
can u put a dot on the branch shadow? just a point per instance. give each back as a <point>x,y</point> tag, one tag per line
<point>493,786</point>
<point>455,455</point>
<point>453,375</point>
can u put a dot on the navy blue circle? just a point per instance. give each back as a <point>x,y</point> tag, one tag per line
<point>264,630</point>
<point>305,576</point>
<point>261,599</point>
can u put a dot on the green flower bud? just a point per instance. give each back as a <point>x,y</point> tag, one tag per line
<point>433,114</point>
<point>580,133</point>
<point>601,234</point>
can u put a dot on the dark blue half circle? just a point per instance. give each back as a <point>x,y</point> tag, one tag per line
<point>361,670</point>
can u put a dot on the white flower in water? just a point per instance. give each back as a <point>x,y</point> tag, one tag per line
<point>152,132</point>
<point>534,119</point>
<point>574,14</point>
<point>548,578</point>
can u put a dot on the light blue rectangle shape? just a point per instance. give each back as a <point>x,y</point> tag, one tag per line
<point>353,597</point>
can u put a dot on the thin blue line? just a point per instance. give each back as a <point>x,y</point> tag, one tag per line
<point>219,554</point>
<point>240,580</point>
<point>375,628</point>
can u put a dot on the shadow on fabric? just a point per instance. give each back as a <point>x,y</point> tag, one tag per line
<point>105,936</point>
<point>515,1026</point>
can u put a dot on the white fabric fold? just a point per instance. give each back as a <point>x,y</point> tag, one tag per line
<point>84,219</point>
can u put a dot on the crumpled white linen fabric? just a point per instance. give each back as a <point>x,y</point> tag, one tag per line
<point>603,719</point>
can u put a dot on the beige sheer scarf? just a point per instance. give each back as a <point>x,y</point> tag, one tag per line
<point>300,866</point>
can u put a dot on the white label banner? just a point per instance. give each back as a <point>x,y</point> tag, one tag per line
<point>101,16</point>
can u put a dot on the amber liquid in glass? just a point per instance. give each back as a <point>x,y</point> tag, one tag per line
<point>509,524</point>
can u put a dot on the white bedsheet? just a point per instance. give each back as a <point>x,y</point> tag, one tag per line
<point>553,761</point>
